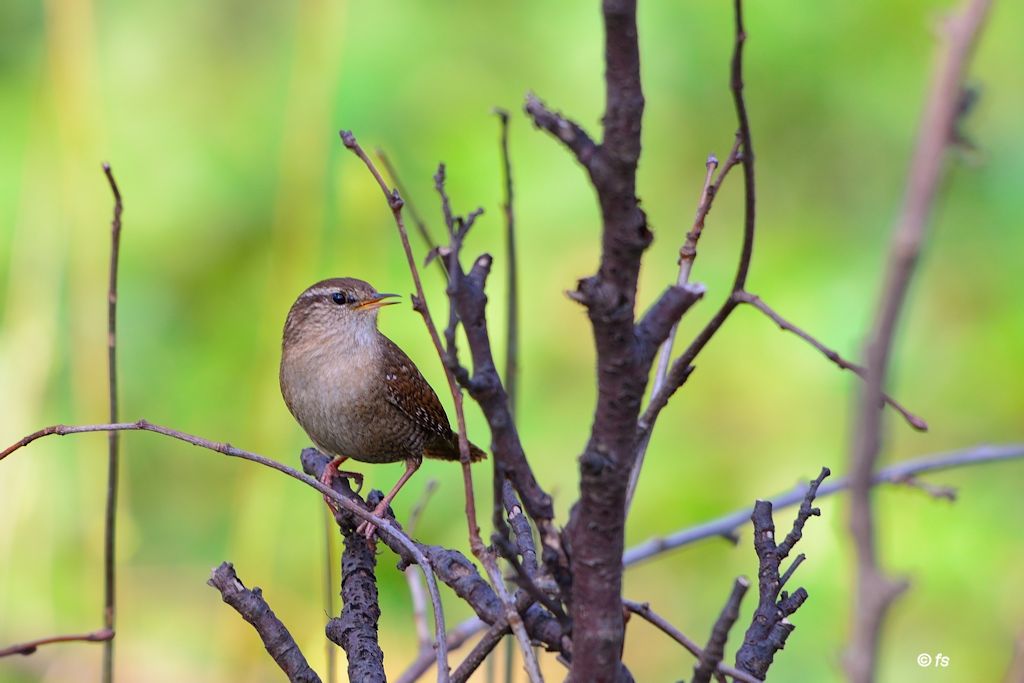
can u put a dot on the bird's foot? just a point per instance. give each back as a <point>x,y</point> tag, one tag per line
<point>332,471</point>
<point>369,529</point>
<point>357,477</point>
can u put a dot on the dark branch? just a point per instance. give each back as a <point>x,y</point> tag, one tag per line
<point>769,627</point>
<point>569,132</point>
<point>644,610</point>
<point>254,609</point>
<point>356,630</point>
<point>451,567</point>
<point>707,663</point>
<point>512,321</point>
<point>663,315</point>
<point>479,652</point>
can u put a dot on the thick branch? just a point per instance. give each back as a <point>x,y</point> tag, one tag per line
<point>566,130</point>
<point>254,609</point>
<point>451,567</point>
<point>356,630</point>
<point>595,528</point>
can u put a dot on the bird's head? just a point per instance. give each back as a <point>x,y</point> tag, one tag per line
<point>339,307</point>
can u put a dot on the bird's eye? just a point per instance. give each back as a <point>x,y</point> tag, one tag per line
<point>339,298</point>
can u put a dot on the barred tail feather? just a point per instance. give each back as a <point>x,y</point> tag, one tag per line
<point>449,450</point>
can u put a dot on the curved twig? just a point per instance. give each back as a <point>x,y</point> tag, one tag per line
<point>384,526</point>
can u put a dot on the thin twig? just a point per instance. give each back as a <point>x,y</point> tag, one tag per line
<point>512,325</point>
<point>683,365</point>
<point>419,602</point>
<point>479,652</point>
<point>417,220</point>
<point>644,610</point>
<point>113,456</point>
<point>456,638</point>
<point>707,663</point>
<point>874,591</point>
<point>758,303</point>
<point>792,568</point>
<point>687,254</point>
<point>328,588</point>
<point>29,647</point>
<point>384,526</point>
<point>894,474</point>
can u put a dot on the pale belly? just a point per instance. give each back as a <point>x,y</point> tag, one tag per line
<point>345,418</point>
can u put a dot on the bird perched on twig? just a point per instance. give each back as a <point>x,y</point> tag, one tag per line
<point>355,393</point>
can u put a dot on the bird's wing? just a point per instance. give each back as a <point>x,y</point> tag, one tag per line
<point>407,390</point>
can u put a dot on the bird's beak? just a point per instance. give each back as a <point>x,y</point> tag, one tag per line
<point>379,299</point>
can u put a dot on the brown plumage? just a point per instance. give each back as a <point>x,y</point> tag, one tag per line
<point>355,393</point>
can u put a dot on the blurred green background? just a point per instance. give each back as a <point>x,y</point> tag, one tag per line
<point>220,120</point>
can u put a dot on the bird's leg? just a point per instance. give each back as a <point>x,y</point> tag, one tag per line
<point>332,471</point>
<point>366,528</point>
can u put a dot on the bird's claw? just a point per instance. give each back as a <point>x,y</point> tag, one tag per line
<point>368,530</point>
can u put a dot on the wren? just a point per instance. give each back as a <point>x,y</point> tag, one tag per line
<point>354,392</point>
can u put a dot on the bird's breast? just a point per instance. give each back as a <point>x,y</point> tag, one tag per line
<point>337,396</point>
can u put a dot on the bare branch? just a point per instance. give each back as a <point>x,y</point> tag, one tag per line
<point>480,651</point>
<point>512,321</point>
<point>663,317</point>
<point>417,220</point>
<point>456,638</point>
<point>113,456</point>
<point>566,130</point>
<point>683,366</point>
<point>894,474</point>
<point>254,609</point>
<point>687,254</point>
<point>29,647</point>
<point>708,661</point>
<point>644,610</point>
<point>457,229</point>
<point>843,364</point>
<point>419,601</point>
<point>388,530</point>
<point>355,631</point>
<point>769,627</point>
<point>874,590</point>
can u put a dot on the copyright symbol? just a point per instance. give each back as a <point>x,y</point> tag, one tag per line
<point>924,659</point>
